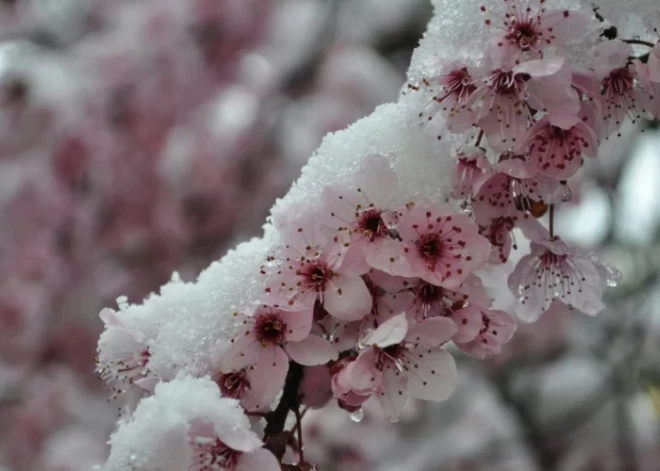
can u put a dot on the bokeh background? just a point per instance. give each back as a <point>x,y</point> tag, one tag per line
<point>142,137</point>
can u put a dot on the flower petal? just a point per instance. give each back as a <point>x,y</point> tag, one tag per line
<point>298,324</point>
<point>347,298</point>
<point>432,332</point>
<point>258,460</point>
<point>393,395</point>
<point>434,375</point>
<point>311,351</point>
<point>389,333</point>
<point>268,375</point>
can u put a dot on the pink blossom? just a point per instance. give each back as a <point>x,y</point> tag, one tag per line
<point>210,450</point>
<point>258,358</point>
<point>649,77</point>
<point>514,189</point>
<point>506,93</point>
<point>438,245</point>
<point>555,146</point>
<point>472,170</point>
<point>614,85</point>
<point>123,360</point>
<point>500,235</point>
<point>399,360</point>
<point>456,83</point>
<point>496,329</point>
<point>461,305</point>
<point>313,266</point>
<point>362,210</point>
<point>556,271</point>
<point>528,27</point>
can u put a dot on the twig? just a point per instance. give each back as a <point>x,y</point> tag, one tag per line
<point>638,41</point>
<point>301,452</point>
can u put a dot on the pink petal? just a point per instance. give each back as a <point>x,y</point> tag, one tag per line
<point>298,324</point>
<point>435,376</point>
<point>432,332</point>
<point>347,298</point>
<point>311,351</point>
<point>393,395</point>
<point>238,438</point>
<point>268,376</point>
<point>362,373</point>
<point>469,323</point>
<point>387,255</point>
<point>258,460</point>
<point>389,333</point>
<point>244,351</point>
<point>565,28</point>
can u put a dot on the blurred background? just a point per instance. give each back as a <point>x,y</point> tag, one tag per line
<point>139,137</point>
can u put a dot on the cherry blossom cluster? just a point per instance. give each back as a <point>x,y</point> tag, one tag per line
<point>369,278</point>
<point>536,113</point>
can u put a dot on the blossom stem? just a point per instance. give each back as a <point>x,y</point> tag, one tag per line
<point>301,452</point>
<point>479,137</point>
<point>275,420</point>
<point>639,41</point>
<point>552,221</point>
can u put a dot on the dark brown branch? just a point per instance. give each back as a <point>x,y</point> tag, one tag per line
<point>638,41</point>
<point>275,437</point>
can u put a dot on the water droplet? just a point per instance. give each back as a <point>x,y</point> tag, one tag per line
<point>357,416</point>
<point>613,276</point>
<point>564,193</point>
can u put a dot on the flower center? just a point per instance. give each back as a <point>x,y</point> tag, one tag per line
<point>390,356</point>
<point>214,455</point>
<point>507,84</point>
<point>371,225</point>
<point>233,384</point>
<point>458,84</point>
<point>618,82</point>
<point>427,294</point>
<point>316,275</point>
<point>270,329</point>
<point>430,247</point>
<point>524,34</point>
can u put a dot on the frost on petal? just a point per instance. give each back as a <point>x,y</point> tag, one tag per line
<point>311,351</point>
<point>162,432</point>
<point>123,358</point>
